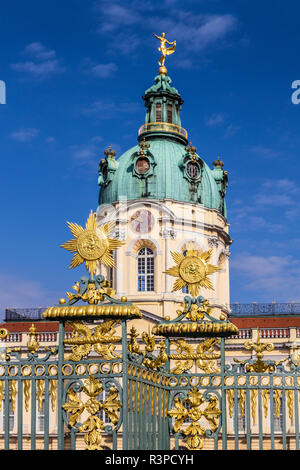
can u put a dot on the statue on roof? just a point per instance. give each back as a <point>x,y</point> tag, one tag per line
<point>163,48</point>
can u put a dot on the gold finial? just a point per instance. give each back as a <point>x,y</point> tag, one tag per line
<point>192,150</point>
<point>144,145</point>
<point>110,153</point>
<point>218,163</point>
<point>164,51</point>
<point>32,344</point>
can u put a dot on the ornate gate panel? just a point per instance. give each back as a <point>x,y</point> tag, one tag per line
<point>28,395</point>
<point>262,402</point>
<point>148,402</point>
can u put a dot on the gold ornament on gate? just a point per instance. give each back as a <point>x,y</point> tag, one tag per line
<point>93,425</point>
<point>188,413</point>
<point>92,245</point>
<point>192,269</point>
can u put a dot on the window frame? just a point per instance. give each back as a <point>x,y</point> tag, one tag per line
<point>145,270</point>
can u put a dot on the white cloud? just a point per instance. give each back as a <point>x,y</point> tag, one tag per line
<point>196,32</point>
<point>43,62</point>
<point>28,294</point>
<point>88,155</point>
<point>215,120</point>
<point>266,152</point>
<point>25,135</point>
<point>115,16</point>
<point>278,193</point>
<point>38,70</point>
<point>193,32</point>
<point>243,219</point>
<point>97,138</point>
<point>276,276</point>
<point>39,51</point>
<point>231,130</point>
<point>269,195</point>
<point>105,109</point>
<point>82,153</point>
<point>99,70</point>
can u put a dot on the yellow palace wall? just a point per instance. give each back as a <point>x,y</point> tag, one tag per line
<point>174,226</point>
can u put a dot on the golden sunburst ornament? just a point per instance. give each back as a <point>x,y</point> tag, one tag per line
<point>192,270</point>
<point>92,245</point>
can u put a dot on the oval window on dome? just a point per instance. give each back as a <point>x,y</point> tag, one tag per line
<point>142,165</point>
<point>193,170</point>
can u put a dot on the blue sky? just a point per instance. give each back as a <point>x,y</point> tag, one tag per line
<point>75,72</point>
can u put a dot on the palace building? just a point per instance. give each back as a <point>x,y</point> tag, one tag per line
<point>163,198</point>
<point>148,352</point>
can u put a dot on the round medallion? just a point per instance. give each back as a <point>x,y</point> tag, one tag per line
<point>193,170</point>
<point>90,246</point>
<point>192,269</point>
<point>142,165</point>
<point>142,221</point>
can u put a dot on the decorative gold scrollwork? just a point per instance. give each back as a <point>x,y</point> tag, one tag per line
<point>259,365</point>
<point>103,340</point>
<point>93,425</point>
<point>149,360</point>
<point>193,409</point>
<point>204,356</point>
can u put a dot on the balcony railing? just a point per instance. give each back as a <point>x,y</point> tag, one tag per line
<point>24,314</point>
<point>164,127</point>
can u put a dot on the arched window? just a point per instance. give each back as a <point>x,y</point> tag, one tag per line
<point>158,113</point>
<point>145,278</point>
<point>169,113</point>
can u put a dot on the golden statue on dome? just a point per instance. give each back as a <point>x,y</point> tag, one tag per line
<point>164,51</point>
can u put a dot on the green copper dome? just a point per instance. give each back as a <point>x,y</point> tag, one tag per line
<point>162,166</point>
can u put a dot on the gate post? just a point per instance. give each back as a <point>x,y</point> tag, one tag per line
<point>125,384</point>
<point>85,387</point>
<point>196,396</point>
<point>60,386</point>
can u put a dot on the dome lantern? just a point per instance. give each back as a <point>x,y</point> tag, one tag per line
<point>163,102</point>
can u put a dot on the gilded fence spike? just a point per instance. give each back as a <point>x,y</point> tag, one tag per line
<point>230,393</point>
<point>277,399</point>
<point>265,399</point>
<point>26,390</point>
<point>242,397</point>
<point>13,393</point>
<point>253,399</point>
<point>1,393</point>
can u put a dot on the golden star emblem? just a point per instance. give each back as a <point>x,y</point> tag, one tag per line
<point>192,270</point>
<point>92,245</point>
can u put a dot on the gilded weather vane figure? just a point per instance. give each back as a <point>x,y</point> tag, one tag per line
<point>164,49</point>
